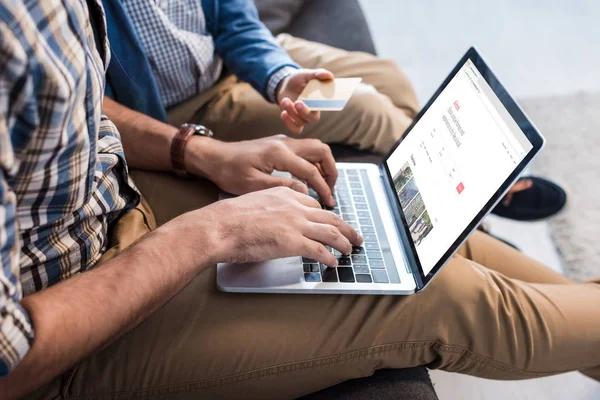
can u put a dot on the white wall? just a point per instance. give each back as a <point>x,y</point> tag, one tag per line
<point>537,47</point>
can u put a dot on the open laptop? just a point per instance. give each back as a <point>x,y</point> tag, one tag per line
<point>456,161</point>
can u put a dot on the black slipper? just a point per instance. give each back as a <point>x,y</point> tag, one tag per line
<point>542,200</point>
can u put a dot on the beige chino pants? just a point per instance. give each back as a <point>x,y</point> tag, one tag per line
<point>380,110</point>
<point>491,312</point>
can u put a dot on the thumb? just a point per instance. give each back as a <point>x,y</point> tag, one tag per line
<point>270,181</point>
<point>323,74</point>
<point>320,74</point>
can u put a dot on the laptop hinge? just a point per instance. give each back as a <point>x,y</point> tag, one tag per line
<point>403,234</point>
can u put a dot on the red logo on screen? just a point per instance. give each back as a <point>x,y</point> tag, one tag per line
<point>460,188</point>
<point>457,105</point>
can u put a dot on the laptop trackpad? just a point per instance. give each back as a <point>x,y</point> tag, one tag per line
<point>273,273</point>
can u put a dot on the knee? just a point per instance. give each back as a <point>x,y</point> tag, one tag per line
<point>368,103</point>
<point>457,285</point>
<point>464,297</point>
<point>378,122</point>
<point>397,81</point>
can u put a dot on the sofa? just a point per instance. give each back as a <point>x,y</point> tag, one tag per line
<point>341,23</point>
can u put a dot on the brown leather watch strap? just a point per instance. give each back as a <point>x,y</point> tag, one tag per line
<point>178,147</point>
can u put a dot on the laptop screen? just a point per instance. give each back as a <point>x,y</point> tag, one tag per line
<point>452,162</point>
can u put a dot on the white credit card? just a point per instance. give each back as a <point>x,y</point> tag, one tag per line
<point>332,95</point>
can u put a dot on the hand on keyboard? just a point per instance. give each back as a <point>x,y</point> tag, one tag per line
<point>244,167</point>
<point>365,264</point>
<point>278,223</point>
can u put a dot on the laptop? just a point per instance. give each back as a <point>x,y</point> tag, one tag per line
<point>455,162</point>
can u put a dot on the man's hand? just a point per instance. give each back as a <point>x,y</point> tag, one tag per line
<point>277,223</point>
<point>295,114</point>
<point>243,167</point>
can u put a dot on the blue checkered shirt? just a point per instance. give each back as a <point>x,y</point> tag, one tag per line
<point>63,177</point>
<point>180,51</point>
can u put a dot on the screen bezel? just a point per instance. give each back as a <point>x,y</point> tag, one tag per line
<point>530,131</point>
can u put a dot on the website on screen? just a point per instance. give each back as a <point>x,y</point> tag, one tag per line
<point>452,162</point>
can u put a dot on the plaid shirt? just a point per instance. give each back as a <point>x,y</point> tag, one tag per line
<point>63,177</point>
<point>181,53</point>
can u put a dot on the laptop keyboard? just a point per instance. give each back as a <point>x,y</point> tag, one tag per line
<point>366,263</point>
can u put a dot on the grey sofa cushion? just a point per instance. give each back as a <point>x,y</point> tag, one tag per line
<point>385,384</point>
<point>338,23</point>
<point>278,14</point>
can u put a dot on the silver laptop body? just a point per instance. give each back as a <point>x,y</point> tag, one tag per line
<point>380,266</point>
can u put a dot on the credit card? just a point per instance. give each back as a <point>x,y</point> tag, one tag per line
<point>330,95</point>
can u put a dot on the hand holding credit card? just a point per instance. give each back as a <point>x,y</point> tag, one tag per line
<point>331,95</point>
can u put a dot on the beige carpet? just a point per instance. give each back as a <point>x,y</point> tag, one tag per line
<point>571,157</point>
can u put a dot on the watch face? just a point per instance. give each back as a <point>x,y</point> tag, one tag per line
<point>199,129</point>
<point>196,127</point>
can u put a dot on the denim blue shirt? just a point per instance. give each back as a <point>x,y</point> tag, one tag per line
<point>239,38</point>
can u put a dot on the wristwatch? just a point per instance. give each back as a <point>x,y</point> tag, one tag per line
<point>180,141</point>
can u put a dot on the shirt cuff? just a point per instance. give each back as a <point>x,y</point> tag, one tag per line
<point>16,335</point>
<point>276,79</point>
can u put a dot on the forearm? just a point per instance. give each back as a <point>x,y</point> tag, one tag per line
<point>85,313</point>
<point>247,47</point>
<point>147,141</point>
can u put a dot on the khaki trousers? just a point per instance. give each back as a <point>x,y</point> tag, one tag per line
<point>380,110</point>
<point>491,312</point>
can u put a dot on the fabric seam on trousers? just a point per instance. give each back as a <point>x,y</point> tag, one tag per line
<point>145,221</point>
<point>314,363</point>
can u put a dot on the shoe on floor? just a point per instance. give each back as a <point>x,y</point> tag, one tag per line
<point>542,200</point>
